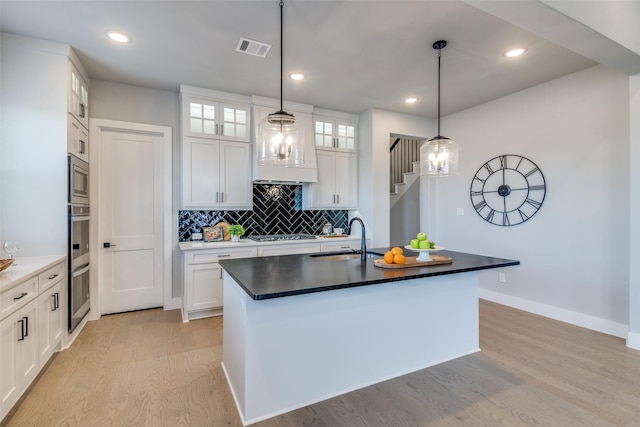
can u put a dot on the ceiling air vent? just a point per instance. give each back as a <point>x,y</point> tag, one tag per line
<point>253,47</point>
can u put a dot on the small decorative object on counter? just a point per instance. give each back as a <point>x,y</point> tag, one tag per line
<point>327,229</point>
<point>10,248</point>
<point>213,234</point>
<point>236,230</point>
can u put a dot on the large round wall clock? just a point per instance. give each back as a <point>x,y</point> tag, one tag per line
<point>508,190</point>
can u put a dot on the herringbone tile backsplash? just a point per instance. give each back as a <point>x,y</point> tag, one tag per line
<point>277,209</point>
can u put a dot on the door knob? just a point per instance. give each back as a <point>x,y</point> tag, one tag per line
<point>108,245</point>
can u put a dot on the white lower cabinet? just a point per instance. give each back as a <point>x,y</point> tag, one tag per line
<point>301,248</point>
<point>341,246</point>
<point>32,314</point>
<point>50,321</point>
<point>18,354</point>
<point>202,291</point>
<point>203,280</point>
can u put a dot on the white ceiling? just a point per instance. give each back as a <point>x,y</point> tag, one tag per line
<point>356,54</point>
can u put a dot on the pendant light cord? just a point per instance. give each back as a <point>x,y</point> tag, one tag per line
<point>439,54</point>
<point>281,52</point>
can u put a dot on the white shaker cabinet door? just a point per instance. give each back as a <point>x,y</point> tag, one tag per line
<point>235,175</point>
<point>204,286</point>
<point>346,180</point>
<point>201,174</point>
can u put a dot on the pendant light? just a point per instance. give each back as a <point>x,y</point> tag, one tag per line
<point>280,137</point>
<point>439,156</point>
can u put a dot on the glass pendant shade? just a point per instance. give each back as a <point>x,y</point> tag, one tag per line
<point>280,140</point>
<point>439,157</point>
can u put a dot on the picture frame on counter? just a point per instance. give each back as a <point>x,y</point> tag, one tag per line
<point>213,234</point>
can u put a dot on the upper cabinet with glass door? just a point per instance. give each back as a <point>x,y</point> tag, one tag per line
<point>78,98</point>
<point>215,115</point>
<point>334,130</point>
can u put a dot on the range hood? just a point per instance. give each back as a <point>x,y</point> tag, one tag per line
<point>308,172</point>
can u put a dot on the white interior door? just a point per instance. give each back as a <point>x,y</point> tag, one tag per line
<point>131,232</point>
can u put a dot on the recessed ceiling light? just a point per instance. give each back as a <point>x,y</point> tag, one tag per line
<point>119,37</point>
<point>515,52</point>
<point>411,100</point>
<point>297,76</point>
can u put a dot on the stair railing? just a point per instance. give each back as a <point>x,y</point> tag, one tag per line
<point>402,153</point>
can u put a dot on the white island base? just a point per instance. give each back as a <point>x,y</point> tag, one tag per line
<point>285,353</point>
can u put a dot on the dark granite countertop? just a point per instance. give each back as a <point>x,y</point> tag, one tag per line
<point>287,275</point>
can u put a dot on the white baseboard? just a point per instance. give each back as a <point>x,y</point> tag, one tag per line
<point>633,340</point>
<point>579,319</point>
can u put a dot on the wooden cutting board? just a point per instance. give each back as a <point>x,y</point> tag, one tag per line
<point>410,261</point>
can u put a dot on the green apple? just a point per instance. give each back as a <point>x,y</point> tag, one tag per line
<point>432,245</point>
<point>425,244</point>
<point>421,236</point>
<point>415,243</point>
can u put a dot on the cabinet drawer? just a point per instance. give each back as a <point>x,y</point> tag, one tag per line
<point>303,248</point>
<point>340,246</point>
<point>51,276</point>
<point>18,297</point>
<point>209,255</point>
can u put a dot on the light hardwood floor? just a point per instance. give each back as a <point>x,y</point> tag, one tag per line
<point>149,369</point>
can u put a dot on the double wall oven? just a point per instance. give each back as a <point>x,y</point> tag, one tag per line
<point>78,254</point>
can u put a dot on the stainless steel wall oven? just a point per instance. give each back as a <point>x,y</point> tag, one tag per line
<point>78,253</point>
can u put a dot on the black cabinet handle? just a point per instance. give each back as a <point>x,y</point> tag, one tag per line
<point>108,245</point>
<point>22,295</point>
<point>82,147</point>
<point>82,110</point>
<point>26,326</point>
<point>57,300</point>
<point>21,321</point>
<point>53,276</point>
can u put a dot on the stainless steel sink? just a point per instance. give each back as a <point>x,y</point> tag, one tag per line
<point>343,256</point>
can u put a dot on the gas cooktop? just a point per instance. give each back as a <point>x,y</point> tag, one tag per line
<point>277,237</point>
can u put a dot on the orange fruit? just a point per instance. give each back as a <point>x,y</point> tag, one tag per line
<point>399,259</point>
<point>388,257</point>
<point>396,250</point>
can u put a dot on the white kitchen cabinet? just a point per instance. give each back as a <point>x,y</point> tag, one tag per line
<point>333,133</point>
<point>289,249</point>
<point>29,330</point>
<point>77,138</point>
<point>208,117</point>
<point>50,320</point>
<point>78,98</point>
<point>216,174</point>
<point>202,295</point>
<point>18,354</point>
<point>341,245</point>
<point>337,186</point>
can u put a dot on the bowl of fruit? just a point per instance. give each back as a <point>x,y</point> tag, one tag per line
<point>423,245</point>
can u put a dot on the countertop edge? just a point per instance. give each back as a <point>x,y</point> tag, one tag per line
<point>28,267</point>
<point>423,273</point>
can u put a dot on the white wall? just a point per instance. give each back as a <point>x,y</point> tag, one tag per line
<point>375,128</point>
<point>405,217</point>
<point>33,166</point>
<point>115,101</point>
<point>633,339</point>
<point>573,251</point>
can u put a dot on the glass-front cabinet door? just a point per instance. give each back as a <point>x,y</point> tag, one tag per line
<point>333,134</point>
<point>218,120</point>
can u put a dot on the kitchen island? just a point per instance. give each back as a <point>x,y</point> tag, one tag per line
<point>299,329</point>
